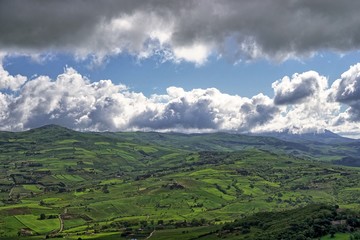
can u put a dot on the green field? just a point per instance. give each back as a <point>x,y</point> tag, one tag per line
<point>126,185</point>
<point>39,226</point>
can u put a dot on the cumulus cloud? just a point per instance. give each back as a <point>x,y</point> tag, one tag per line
<point>10,82</point>
<point>67,101</point>
<point>308,104</point>
<point>301,103</point>
<point>73,101</point>
<point>347,90</point>
<point>305,103</point>
<point>206,109</point>
<point>189,30</point>
<point>299,88</point>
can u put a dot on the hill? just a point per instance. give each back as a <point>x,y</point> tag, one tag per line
<point>57,182</point>
<point>326,137</point>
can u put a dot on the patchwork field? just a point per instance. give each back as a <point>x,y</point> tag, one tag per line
<point>55,182</point>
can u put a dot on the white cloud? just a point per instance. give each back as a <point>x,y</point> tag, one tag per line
<point>8,81</point>
<point>302,103</point>
<point>347,90</point>
<point>4,107</point>
<point>198,53</point>
<point>204,110</point>
<point>348,86</point>
<point>73,101</point>
<point>68,100</point>
<point>299,88</point>
<point>305,103</point>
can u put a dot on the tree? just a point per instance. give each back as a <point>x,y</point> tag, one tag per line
<point>355,236</point>
<point>105,189</point>
<point>42,216</point>
<point>332,232</point>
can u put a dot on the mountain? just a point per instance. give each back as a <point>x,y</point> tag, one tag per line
<point>325,146</point>
<point>326,137</point>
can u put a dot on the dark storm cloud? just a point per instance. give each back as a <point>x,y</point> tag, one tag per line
<point>46,24</point>
<point>276,29</point>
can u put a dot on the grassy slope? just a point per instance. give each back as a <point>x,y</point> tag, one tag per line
<point>103,181</point>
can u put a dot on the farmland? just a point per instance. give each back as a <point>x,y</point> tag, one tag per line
<point>56,182</point>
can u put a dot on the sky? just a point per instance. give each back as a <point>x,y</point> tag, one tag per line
<point>181,65</point>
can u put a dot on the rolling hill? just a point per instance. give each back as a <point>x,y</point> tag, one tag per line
<point>57,182</point>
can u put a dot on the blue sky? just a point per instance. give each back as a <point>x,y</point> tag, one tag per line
<point>149,76</point>
<point>187,66</point>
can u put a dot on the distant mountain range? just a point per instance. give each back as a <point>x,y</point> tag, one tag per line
<point>326,146</point>
<point>326,137</point>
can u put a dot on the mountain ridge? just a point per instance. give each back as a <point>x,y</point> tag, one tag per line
<point>327,137</point>
<point>325,147</point>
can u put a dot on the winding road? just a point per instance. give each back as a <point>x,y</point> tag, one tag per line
<point>151,234</point>
<point>54,233</point>
<point>61,224</point>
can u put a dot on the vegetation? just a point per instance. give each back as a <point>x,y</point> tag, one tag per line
<point>310,222</point>
<point>55,182</point>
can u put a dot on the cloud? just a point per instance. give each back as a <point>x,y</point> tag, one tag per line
<point>10,82</point>
<point>305,103</point>
<point>74,101</point>
<point>67,101</point>
<point>302,103</point>
<point>190,30</point>
<point>308,104</point>
<point>4,107</point>
<point>347,90</point>
<point>257,112</point>
<point>299,88</point>
<point>206,109</point>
